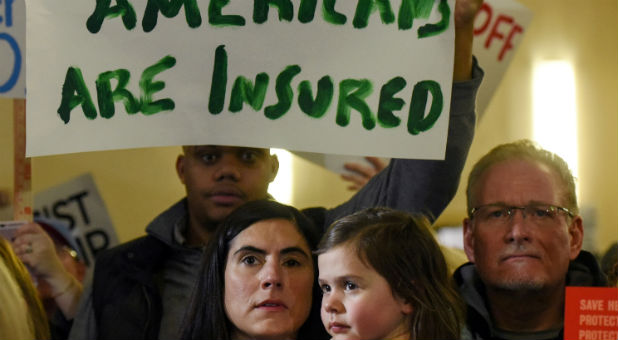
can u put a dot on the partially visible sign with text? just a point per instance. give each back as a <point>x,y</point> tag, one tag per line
<point>12,49</point>
<point>499,28</point>
<point>591,313</point>
<point>78,204</point>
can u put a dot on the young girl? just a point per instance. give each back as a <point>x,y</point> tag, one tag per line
<point>383,276</point>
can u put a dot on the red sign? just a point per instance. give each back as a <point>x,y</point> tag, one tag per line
<point>591,313</point>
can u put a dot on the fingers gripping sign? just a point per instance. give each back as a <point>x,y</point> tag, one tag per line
<point>360,174</point>
<point>37,250</point>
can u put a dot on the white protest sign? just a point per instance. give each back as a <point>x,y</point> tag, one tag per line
<point>336,163</point>
<point>350,77</point>
<point>78,204</point>
<point>12,49</point>
<point>498,29</point>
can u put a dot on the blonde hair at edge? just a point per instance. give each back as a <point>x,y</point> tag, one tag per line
<point>21,313</point>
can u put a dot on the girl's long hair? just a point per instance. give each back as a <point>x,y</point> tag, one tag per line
<point>402,249</point>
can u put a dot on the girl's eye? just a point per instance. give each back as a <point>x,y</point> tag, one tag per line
<point>325,288</point>
<point>348,285</point>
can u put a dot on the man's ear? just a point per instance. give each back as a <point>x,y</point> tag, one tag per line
<point>468,229</point>
<point>180,167</point>
<point>274,167</point>
<point>576,235</point>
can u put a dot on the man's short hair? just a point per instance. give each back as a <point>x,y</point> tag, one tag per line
<point>525,150</point>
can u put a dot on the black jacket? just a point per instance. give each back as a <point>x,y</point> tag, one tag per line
<point>128,295</point>
<point>583,271</point>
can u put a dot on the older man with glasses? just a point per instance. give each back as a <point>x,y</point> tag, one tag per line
<point>523,237</point>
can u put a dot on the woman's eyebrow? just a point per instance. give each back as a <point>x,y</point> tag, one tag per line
<point>250,249</point>
<point>293,250</point>
<point>284,251</point>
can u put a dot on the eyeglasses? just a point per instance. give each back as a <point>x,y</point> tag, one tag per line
<point>500,214</point>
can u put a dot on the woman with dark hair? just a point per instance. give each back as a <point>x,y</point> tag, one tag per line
<point>258,278</point>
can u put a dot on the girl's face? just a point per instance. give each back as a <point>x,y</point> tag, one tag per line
<point>357,302</point>
<point>268,281</point>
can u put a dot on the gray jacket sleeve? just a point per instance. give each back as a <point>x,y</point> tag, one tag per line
<point>84,324</point>
<point>423,186</point>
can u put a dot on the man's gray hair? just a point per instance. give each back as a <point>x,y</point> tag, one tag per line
<point>526,150</point>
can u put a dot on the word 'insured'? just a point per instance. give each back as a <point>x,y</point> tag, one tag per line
<point>408,11</point>
<point>352,95</point>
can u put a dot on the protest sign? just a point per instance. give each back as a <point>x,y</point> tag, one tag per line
<point>350,77</point>
<point>591,313</point>
<point>498,30</point>
<point>12,48</point>
<point>78,204</point>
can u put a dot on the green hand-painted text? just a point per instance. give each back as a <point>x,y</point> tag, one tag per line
<point>408,11</point>
<point>75,92</point>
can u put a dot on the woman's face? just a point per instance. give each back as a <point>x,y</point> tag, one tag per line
<point>268,281</point>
